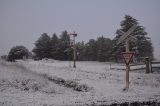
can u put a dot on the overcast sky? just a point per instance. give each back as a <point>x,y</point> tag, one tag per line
<point>23,21</point>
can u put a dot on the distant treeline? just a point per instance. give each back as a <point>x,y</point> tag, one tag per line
<point>100,49</point>
<point>61,48</point>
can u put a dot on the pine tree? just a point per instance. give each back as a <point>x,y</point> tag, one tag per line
<point>80,48</point>
<point>65,48</point>
<point>104,48</point>
<point>55,42</point>
<point>143,44</point>
<point>42,47</point>
<point>91,50</point>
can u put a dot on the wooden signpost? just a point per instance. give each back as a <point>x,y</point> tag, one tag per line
<point>125,36</point>
<point>74,49</point>
<point>127,58</point>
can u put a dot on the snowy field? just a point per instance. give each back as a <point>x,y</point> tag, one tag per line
<point>56,83</point>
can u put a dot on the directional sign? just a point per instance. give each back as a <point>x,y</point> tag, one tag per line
<point>125,35</point>
<point>127,57</point>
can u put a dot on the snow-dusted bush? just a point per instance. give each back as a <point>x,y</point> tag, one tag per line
<point>22,84</point>
<point>68,83</point>
<point>83,88</point>
<point>18,52</point>
<point>4,57</point>
<point>71,84</point>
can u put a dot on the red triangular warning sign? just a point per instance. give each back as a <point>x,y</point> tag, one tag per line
<point>127,57</point>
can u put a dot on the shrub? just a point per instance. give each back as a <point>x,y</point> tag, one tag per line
<point>18,52</point>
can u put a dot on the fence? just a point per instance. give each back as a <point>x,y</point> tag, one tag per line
<point>155,65</point>
<point>120,66</point>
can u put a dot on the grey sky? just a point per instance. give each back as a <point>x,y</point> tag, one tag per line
<point>23,21</point>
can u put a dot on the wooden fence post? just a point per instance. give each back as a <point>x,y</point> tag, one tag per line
<point>151,66</point>
<point>148,65</point>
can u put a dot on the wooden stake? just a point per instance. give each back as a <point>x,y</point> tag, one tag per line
<point>127,66</point>
<point>74,54</point>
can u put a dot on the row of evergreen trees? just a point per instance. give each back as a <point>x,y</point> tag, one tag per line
<point>53,47</point>
<point>101,49</point>
<point>61,48</point>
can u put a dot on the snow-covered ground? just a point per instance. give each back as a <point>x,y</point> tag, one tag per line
<point>24,84</point>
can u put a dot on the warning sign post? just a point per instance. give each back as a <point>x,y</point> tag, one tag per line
<point>127,56</point>
<point>126,36</point>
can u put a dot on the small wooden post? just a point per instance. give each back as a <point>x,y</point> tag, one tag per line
<point>110,66</point>
<point>148,66</point>
<point>151,66</point>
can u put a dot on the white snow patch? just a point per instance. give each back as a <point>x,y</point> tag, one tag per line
<point>107,84</point>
